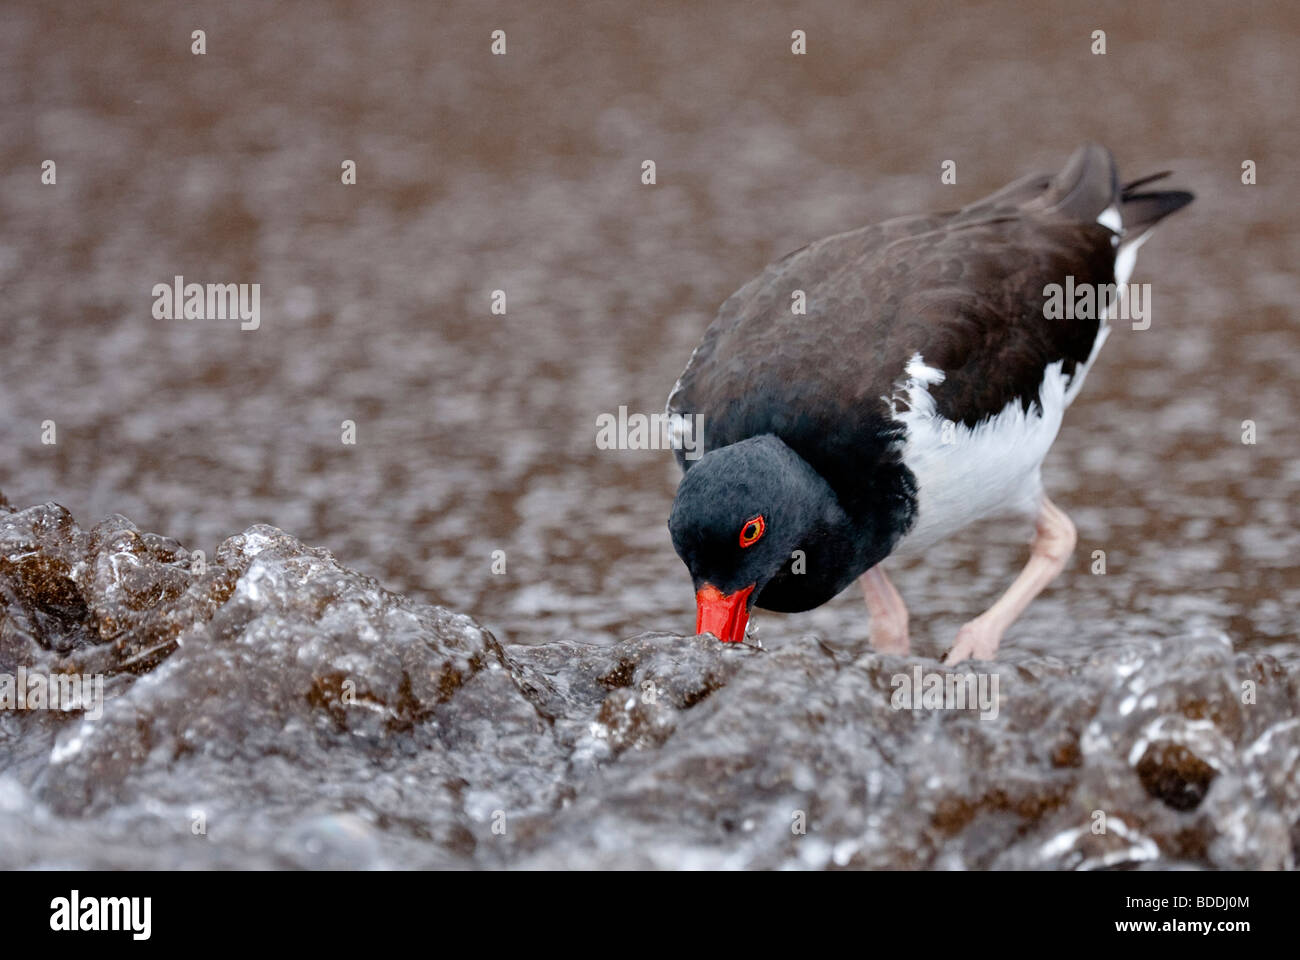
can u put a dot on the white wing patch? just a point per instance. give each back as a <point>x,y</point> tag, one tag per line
<point>1111,219</point>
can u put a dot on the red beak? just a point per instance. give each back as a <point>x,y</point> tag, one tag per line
<point>723,615</point>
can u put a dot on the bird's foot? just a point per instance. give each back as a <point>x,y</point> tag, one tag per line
<point>977,640</point>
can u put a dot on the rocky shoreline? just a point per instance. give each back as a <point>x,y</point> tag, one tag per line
<point>268,707</point>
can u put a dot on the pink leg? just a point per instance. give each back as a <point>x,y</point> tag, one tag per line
<point>888,612</point>
<point>1054,540</point>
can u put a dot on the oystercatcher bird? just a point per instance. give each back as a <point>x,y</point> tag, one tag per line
<point>919,391</point>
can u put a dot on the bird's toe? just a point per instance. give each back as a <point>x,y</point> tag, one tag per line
<point>976,640</point>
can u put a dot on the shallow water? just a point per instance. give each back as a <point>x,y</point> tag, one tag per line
<point>476,433</point>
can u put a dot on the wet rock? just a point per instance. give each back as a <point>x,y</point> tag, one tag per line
<point>1175,775</point>
<point>270,707</point>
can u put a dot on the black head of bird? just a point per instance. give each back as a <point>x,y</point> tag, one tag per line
<point>748,519</point>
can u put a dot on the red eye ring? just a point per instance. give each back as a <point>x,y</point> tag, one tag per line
<point>752,531</point>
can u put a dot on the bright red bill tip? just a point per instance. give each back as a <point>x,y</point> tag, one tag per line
<point>723,615</point>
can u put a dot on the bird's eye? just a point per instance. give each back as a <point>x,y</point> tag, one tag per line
<point>752,531</point>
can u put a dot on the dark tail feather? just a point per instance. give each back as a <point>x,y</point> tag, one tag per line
<point>1142,211</point>
<point>1132,187</point>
